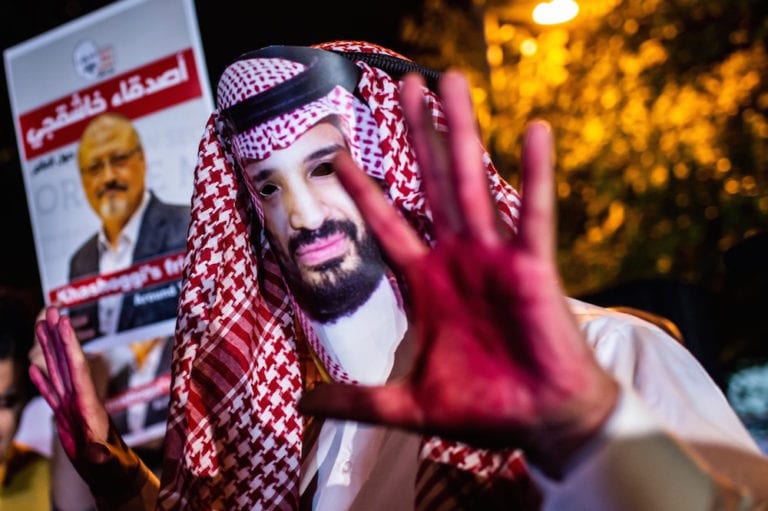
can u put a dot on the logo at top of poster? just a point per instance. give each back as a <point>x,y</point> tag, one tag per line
<point>92,61</point>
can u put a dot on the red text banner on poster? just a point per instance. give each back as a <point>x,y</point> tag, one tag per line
<point>155,86</point>
<point>141,275</point>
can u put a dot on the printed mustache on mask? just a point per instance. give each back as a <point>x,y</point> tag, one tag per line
<point>328,228</point>
<point>113,186</point>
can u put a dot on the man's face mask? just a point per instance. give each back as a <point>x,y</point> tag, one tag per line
<point>329,260</point>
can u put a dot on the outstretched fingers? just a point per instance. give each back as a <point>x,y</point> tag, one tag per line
<point>50,343</point>
<point>64,338</point>
<point>68,371</point>
<point>451,164</point>
<point>77,369</point>
<point>432,156</point>
<point>54,400</point>
<point>469,174</point>
<point>45,387</point>
<point>537,217</point>
<point>398,240</point>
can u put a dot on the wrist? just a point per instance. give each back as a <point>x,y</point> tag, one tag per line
<point>555,444</point>
<point>113,472</point>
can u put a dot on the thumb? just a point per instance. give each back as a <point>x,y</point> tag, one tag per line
<point>390,405</point>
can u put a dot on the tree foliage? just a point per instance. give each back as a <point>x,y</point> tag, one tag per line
<point>660,114</point>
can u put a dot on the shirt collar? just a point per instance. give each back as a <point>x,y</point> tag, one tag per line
<point>364,343</point>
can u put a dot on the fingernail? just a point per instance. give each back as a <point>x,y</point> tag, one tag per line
<point>538,147</point>
<point>536,129</point>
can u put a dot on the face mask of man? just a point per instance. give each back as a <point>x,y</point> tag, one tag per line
<point>329,260</point>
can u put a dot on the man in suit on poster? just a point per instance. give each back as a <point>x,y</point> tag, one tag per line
<point>136,226</point>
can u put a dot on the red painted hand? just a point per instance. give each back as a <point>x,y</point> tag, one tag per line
<point>500,360</point>
<point>81,420</point>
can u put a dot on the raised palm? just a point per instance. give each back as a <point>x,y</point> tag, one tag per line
<point>66,385</point>
<point>500,360</point>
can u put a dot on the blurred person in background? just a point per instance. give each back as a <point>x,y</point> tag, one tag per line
<point>24,473</point>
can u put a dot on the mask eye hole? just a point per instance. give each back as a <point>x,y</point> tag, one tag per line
<point>324,169</point>
<point>267,190</point>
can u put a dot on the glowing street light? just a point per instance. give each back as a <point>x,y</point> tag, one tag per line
<point>555,11</point>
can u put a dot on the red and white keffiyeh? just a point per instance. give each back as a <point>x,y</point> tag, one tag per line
<point>234,437</point>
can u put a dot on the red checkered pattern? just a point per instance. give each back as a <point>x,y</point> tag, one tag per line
<point>234,433</point>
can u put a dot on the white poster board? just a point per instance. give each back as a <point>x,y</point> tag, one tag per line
<point>142,59</point>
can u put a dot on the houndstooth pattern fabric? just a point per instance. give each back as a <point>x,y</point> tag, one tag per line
<point>234,433</point>
<point>250,77</point>
<point>247,78</point>
<point>234,354</point>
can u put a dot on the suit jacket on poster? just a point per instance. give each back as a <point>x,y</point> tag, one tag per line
<point>163,231</point>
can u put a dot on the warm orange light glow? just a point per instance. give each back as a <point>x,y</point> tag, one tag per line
<point>529,47</point>
<point>555,11</point>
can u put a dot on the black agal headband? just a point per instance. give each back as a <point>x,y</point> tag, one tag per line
<point>325,70</point>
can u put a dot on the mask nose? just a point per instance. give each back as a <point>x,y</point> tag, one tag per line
<point>305,211</point>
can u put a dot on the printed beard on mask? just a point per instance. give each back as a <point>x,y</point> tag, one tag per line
<point>337,290</point>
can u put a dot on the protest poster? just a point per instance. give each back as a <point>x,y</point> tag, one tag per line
<point>109,110</point>
<point>141,59</point>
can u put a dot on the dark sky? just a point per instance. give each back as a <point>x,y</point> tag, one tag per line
<point>225,33</point>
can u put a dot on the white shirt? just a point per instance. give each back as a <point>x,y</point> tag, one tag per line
<point>665,395</point>
<point>635,464</point>
<point>664,389</point>
<point>359,466</point>
<point>666,376</point>
<point>119,258</point>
